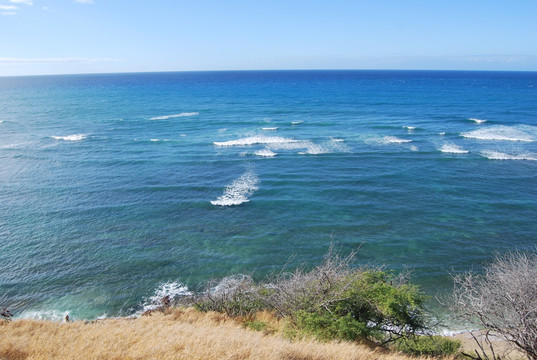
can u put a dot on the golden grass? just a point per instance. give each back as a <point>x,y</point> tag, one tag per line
<point>180,334</point>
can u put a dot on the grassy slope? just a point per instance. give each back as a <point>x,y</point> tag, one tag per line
<point>180,334</point>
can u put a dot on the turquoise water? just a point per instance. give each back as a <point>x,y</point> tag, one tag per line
<point>113,187</point>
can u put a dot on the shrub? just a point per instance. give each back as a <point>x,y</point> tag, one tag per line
<point>234,296</point>
<point>334,300</point>
<point>437,346</point>
<point>502,301</point>
<point>337,300</point>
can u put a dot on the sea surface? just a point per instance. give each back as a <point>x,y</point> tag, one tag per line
<point>119,188</point>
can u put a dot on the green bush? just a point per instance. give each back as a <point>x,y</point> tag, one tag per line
<point>327,326</point>
<point>334,300</point>
<point>428,346</point>
<point>255,325</point>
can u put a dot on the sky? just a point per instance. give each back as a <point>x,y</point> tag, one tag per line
<point>101,36</point>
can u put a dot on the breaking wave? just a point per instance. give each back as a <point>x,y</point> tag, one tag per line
<point>75,137</point>
<point>452,149</point>
<point>495,155</point>
<point>254,140</point>
<point>238,191</point>
<point>165,117</point>
<point>265,153</point>
<point>172,290</point>
<point>394,140</point>
<point>270,128</point>
<point>504,133</point>
<point>478,121</point>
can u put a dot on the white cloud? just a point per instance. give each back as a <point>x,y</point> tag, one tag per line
<point>76,60</point>
<point>8,7</point>
<point>84,1</point>
<point>25,2</point>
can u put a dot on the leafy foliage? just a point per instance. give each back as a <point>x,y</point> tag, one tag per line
<point>331,301</point>
<point>437,346</point>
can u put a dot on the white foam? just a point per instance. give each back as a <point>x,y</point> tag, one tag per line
<point>166,117</point>
<point>495,155</point>
<point>337,140</point>
<point>254,140</point>
<point>238,191</point>
<point>173,290</point>
<point>265,153</point>
<point>442,133</point>
<point>296,122</point>
<point>478,121</point>
<point>452,149</point>
<point>504,133</point>
<point>409,128</point>
<point>394,140</point>
<point>414,148</point>
<point>270,128</point>
<point>231,284</point>
<point>54,315</point>
<point>74,137</point>
<point>154,140</point>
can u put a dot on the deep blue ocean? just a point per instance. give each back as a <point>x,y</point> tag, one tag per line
<point>117,187</point>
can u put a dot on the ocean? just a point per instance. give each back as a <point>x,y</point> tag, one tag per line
<point>117,188</point>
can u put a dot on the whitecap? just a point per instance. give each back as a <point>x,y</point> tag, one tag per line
<point>478,121</point>
<point>504,133</point>
<point>74,137</point>
<point>173,290</point>
<point>414,148</point>
<point>265,153</point>
<point>238,191</point>
<point>495,155</point>
<point>154,140</point>
<point>337,140</point>
<point>254,140</point>
<point>270,128</point>
<point>442,133</point>
<point>296,122</point>
<point>452,149</point>
<point>166,117</point>
<point>409,128</point>
<point>394,140</point>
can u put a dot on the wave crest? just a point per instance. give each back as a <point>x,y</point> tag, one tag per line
<point>255,140</point>
<point>166,117</point>
<point>495,155</point>
<point>504,133</point>
<point>452,149</point>
<point>74,137</point>
<point>238,191</point>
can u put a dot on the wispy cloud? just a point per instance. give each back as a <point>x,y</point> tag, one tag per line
<point>84,1</point>
<point>8,7</point>
<point>76,60</point>
<point>25,2</point>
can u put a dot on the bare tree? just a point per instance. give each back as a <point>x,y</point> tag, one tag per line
<point>503,301</point>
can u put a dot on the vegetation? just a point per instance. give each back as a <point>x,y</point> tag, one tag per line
<point>436,346</point>
<point>334,300</point>
<point>173,334</point>
<point>503,302</point>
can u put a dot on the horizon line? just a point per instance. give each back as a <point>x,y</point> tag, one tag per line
<point>268,70</point>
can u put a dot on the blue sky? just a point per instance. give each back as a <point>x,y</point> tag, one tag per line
<point>88,36</point>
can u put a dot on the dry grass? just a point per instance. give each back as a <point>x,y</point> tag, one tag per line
<point>180,334</point>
